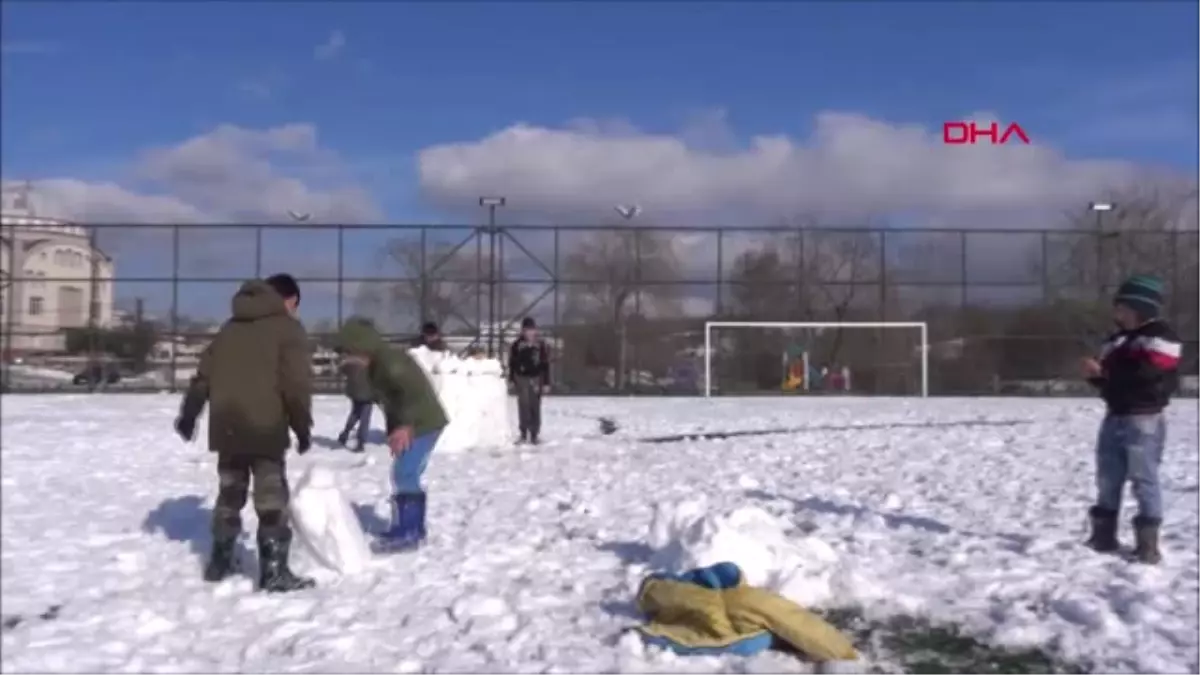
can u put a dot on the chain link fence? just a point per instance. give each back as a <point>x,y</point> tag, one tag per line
<point>129,308</point>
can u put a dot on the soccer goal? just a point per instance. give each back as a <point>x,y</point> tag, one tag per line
<point>813,358</point>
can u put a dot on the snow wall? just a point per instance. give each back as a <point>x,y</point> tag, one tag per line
<point>474,393</point>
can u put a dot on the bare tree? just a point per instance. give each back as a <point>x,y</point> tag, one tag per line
<point>444,285</point>
<point>609,293</point>
<point>812,274</point>
<point>1146,231</point>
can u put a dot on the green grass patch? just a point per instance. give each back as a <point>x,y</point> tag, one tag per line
<point>915,645</point>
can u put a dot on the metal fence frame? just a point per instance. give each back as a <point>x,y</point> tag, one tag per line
<point>492,243</point>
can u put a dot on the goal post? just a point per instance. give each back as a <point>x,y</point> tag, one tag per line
<point>919,328</point>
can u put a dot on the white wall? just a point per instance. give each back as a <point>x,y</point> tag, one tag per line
<point>54,260</point>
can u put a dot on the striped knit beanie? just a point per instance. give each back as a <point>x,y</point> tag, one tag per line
<point>1143,294</point>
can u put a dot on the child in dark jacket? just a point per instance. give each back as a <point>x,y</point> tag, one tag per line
<point>1136,373</point>
<point>414,417</point>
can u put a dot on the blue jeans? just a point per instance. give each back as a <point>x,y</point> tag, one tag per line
<point>1130,449</point>
<point>408,468</point>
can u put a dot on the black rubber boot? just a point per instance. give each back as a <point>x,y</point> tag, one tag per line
<point>1146,531</point>
<point>343,438</point>
<point>1104,530</point>
<point>221,561</point>
<point>274,574</point>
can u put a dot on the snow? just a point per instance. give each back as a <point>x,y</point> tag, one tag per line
<point>929,507</point>
<point>474,394</point>
<point>326,525</point>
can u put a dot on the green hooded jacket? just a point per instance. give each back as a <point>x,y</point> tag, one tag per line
<point>398,384</point>
<point>256,377</point>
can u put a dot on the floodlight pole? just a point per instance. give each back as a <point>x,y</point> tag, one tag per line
<point>628,213</point>
<point>1099,208</point>
<point>491,203</point>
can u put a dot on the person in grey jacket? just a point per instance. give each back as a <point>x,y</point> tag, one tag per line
<point>358,390</point>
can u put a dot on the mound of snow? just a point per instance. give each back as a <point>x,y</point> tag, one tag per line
<point>475,397</point>
<point>325,523</point>
<point>802,568</point>
<point>23,370</point>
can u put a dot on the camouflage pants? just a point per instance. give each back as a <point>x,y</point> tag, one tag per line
<point>270,495</point>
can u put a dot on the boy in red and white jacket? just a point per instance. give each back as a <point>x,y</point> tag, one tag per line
<point>1136,373</point>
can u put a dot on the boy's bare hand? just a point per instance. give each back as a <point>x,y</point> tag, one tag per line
<point>399,440</point>
<point>1091,367</point>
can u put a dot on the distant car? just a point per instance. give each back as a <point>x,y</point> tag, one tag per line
<point>97,374</point>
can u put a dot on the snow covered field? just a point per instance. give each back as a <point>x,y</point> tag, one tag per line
<point>901,506</point>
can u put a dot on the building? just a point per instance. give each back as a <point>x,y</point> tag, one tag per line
<point>51,277</point>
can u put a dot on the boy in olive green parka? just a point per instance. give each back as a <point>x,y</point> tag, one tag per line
<point>414,418</point>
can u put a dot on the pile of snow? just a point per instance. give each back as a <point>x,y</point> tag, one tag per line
<point>23,370</point>
<point>475,396</point>
<point>804,569</point>
<point>326,525</point>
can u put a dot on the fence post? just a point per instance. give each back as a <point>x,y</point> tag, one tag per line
<point>258,238</point>
<point>93,301</point>
<point>883,275</point>
<point>341,271</point>
<point>424,281</point>
<point>963,270</point>
<point>9,294</point>
<point>720,269</point>
<point>557,371</point>
<point>174,305</point>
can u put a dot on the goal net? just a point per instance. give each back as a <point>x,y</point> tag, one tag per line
<point>814,359</point>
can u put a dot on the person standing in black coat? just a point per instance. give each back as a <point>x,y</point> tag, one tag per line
<point>529,372</point>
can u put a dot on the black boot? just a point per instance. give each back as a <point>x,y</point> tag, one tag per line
<point>274,574</point>
<point>1146,530</point>
<point>221,562</point>
<point>1104,530</point>
<point>343,438</point>
<point>358,447</point>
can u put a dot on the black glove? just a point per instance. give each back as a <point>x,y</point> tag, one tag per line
<point>303,442</point>
<point>185,427</point>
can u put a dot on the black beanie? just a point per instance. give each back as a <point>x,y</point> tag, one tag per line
<point>1143,294</point>
<point>528,322</point>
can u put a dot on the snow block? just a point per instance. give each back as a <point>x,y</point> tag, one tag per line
<point>325,524</point>
<point>475,396</point>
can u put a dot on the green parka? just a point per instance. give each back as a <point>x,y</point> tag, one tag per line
<point>256,376</point>
<point>398,384</point>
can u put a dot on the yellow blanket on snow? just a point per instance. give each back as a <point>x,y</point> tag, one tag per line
<point>690,617</point>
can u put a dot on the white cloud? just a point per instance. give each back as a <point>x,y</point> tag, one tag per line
<point>331,47</point>
<point>850,165</point>
<point>230,174</point>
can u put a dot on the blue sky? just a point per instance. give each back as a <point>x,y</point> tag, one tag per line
<point>90,85</point>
